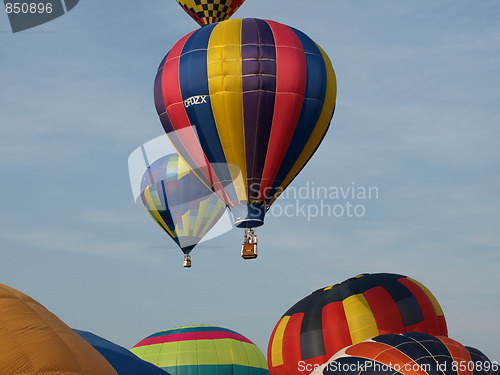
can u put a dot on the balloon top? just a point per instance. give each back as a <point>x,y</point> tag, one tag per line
<point>205,12</point>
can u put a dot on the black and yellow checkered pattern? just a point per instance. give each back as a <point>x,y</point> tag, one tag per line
<point>205,12</point>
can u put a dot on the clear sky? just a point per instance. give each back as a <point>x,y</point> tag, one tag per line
<point>417,119</point>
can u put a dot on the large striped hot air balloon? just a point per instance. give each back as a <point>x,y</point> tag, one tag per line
<point>412,353</point>
<point>182,205</point>
<point>249,101</point>
<point>205,12</point>
<point>359,308</point>
<point>202,349</point>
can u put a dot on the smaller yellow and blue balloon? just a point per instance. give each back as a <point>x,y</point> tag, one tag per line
<point>202,349</point>
<point>180,203</point>
<point>205,12</point>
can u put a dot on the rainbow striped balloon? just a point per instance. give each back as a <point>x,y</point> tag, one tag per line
<point>202,349</point>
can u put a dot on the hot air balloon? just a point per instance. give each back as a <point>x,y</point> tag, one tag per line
<point>33,341</point>
<point>182,205</point>
<point>248,102</point>
<point>205,12</point>
<point>202,349</point>
<point>481,364</point>
<point>413,353</point>
<point>359,308</point>
<point>123,361</point>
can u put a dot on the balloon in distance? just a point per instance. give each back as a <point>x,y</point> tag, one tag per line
<point>205,12</point>
<point>179,202</point>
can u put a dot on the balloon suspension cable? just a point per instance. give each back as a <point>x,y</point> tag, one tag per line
<point>249,246</point>
<point>187,261</point>
<point>249,236</point>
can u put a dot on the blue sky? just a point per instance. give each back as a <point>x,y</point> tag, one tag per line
<point>417,117</point>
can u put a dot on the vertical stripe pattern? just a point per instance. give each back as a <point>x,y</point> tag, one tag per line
<point>226,93</point>
<point>246,102</point>
<point>290,62</point>
<point>173,117</point>
<point>259,93</point>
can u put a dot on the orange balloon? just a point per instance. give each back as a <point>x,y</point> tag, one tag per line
<point>33,341</point>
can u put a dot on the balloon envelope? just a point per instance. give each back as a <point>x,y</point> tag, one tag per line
<point>248,102</point>
<point>122,360</point>
<point>337,316</point>
<point>205,12</point>
<point>180,203</point>
<point>33,341</point>
<point>202,349</point>
<point>412,353</point>
<point>482,364</point>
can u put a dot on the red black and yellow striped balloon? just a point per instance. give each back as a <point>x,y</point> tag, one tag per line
<point>205,12</point>
<point>357,309</point>
<point>250,101</point>
<point>413,353</point>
